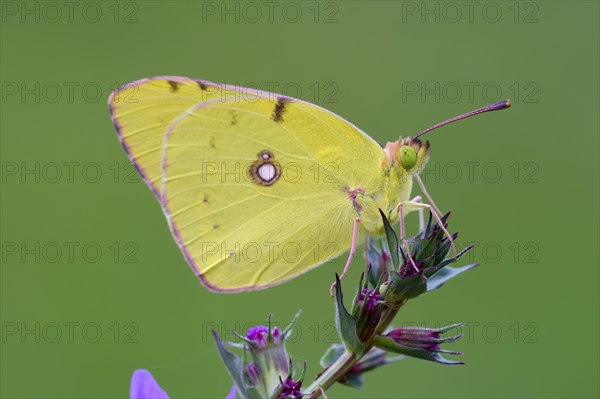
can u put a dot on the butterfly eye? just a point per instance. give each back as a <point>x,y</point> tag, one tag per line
<point>408,157</point>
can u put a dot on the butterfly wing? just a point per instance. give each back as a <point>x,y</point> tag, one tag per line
<point>253,184</point>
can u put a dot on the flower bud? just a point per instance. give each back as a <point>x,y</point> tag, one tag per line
<point>422,343</point>
<point>252,374</point>
<point>271,360</point>
<point>368,312</point>
<point>416,337</point>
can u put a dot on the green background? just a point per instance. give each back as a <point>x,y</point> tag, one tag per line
<point>532,306</point>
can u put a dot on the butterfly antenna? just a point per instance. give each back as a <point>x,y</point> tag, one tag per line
<point>492,107</point>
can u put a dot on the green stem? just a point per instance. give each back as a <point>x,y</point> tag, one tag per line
<point>388,317</point>
<point>348,359</point>
<point>332,374</point>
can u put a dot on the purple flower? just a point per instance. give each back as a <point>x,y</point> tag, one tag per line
<point>369,299</point>
<point>270,359</point>
<point>262,374</point>
<point>232,393</point>
<point>144,386</point>
<point>268,353</point>
<point>291,389</point>
<point>259,335</point>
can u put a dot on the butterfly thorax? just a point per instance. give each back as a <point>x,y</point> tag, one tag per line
<point>404,158</point>
<point>385,194</point>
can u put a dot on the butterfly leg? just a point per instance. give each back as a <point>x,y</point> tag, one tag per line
<point>437,219</point>
<point>435,212</point>
<point>424,191</point>
<point>421,213</point>
<point>350,255</point>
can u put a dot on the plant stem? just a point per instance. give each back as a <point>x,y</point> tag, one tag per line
<point>348,359</point>
<point>332,374</point>
<point>388,317</point>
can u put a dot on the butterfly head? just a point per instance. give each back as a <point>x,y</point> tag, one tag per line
<point>409,154</point>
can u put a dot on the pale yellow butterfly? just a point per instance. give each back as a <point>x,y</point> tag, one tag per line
<point>259,188</point>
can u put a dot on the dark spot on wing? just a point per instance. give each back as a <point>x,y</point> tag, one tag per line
<point>211,143</point>
<point>279,109</point>
<point>266,170</point>
<point>205,199</point>
<point>174,85</point>
<point>215,226</point>
<point>234,120</point>
<point>202,86</point>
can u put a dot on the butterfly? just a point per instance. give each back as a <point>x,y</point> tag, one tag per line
<point>257,187</point>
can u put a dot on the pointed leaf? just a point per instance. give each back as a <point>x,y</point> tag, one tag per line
<point>233,365</point>
<point>346,324</point>
<point>441,276</point>
<point>354,307</point>
<point>301,380</point>
<point>449,327</point>
<point>392,240</point>
<point>447,261</point>
<point>373,259</point>
<point>332,354</point>
<point>426,232</point>
<point>290,326</point>
<point>278,390</point>
<point>442,251</point>
<point>354,381</point>
<point>404,287</point>
<point>245,341</point>
<point>424,248</point>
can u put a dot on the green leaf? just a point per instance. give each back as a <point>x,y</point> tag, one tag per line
<point>245,341</point>
<point>290,326</point>
<point>405,287</point>
<point>373,256</point>
<point>448,261</point>
<point>444,248</point>
<point>424,248</point>
<point>392,240</point>
<point>444,219</point>
<point>426,232</point>
<point>346,324</point>
<point>233,365</point>
<point>303,371</point>
<point>440,277</point>
<point>277,391</point>
<point>354,381</point>
<point>390,345</point>
<point>354,307</point>
<point>332,354</point>
<point>448,328</point>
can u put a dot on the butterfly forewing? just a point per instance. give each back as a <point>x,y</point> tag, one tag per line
<point>253,184</point>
